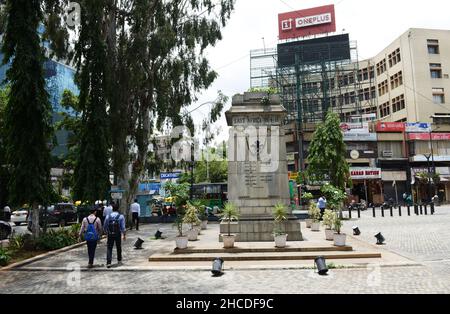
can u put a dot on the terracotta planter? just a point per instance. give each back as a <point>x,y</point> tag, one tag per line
<point>315,226</point>
<point>192,234</point>
<point>204,224</point>
<point>329,235</point>
<point>340,239</point>
<point>280,240</point>
<point>228,241</point>
<point>309,223</point>
<point>181,242</point>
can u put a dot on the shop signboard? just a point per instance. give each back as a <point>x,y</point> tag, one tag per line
<point>418,127</point>
<point>393,127</point>
<point>426,136</point>
<point>365,173</point>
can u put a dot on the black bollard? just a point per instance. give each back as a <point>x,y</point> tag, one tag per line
<point>426,210</point>
<point>382,211</point>
<point>409,210</point>
<point>432,208</point>
<point>421,209</point>
<point>392,211</point>
<point>350,212</point>
<point>359,212</point>
<point>416,209</point>
<point>374,212</point>
<point>400,211</point>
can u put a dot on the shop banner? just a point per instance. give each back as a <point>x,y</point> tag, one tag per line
<point>365,173</point>
<point>398,127</point>
<point>418,127</point>
<point>426,136</point>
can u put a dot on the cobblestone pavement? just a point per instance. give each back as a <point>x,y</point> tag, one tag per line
<point>425,239</point>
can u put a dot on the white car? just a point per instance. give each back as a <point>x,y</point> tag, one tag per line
<point>19,216</point>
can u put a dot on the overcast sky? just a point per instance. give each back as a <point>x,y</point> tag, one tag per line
<point>374,24</point>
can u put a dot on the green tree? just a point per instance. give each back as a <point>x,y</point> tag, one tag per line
<point>91,175</point>
<point>4,173</point>
<point>156,65</point>
<point>28,127</point>
<point>327,154</point>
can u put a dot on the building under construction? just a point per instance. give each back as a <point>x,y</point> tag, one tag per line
<point>313,77</point>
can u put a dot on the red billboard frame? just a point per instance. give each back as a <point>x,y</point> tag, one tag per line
<point>302,23</point>
<point>393,127</point>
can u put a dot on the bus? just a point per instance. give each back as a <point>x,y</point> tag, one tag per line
<point>213,194</point>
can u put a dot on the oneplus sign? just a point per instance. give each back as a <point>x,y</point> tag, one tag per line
<point>307,22</point>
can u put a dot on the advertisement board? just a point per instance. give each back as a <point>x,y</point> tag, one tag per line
<point>393,127</point>
<point>324,49</point>
<point>418,127</point>
<point>302,23</point>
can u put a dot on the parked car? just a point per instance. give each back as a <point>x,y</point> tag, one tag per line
<point>61,214</point>
<point>19,217</point>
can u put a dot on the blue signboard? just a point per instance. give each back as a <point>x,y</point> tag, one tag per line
<point>418,127</point>
<point>170,175</point>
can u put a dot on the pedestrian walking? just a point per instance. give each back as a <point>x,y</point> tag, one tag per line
<point>7,213</point>
<point>115,230</point>
<point>322,204</point>
<point>135,209</point>
<point>91,230</point>
<point>108,210</point>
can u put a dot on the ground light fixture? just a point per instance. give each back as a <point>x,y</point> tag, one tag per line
<point>321,265</point>
<point>380,239</point>
<point>356,231</point>
<point>217,267</point>
<point>158,235</point>
<point>138,244</point>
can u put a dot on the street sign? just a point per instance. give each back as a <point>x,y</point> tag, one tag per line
<point>116,195</point>
<point>170,175</point>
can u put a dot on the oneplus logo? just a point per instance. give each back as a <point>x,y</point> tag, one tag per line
<point>286,25</point>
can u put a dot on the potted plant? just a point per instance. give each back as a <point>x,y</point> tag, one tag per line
<point>315,216</point>
<point>312,209</point>
<point>203,215</point>
<point>328,221</point>
<point>191,218</point>
<point>181,240</point>
<point>280,216</point>
<point>339,239</point>
<point>229,214</point>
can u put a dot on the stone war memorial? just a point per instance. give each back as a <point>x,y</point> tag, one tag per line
<point>257,167</point>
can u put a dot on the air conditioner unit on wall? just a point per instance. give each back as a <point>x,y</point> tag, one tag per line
<point>388,154</point>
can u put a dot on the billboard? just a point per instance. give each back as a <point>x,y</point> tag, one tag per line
<point>426,136</point>
<point>365,173</point>
<point>324,49</point>
<point>307,22</point>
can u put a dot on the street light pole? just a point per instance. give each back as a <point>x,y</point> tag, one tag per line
<point>429,176</point>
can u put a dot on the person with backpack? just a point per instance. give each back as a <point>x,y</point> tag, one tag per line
<point>91,230</point>
<point>116,232</point>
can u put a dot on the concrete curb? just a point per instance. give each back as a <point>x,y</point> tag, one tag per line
<point>205,268</point>
<point>43,256</point>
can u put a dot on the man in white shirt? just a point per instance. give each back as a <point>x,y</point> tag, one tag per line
<point>107,211</point>
<point>136,212</point>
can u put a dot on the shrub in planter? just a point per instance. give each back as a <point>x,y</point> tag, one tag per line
<point>328,221</point>
<point>229,214</point>
<point>339,239</point>
<point>57,239</point>
<point>181,240</point>
<point>191,218</point>
<point>280,216</point>
<point>314,214</point>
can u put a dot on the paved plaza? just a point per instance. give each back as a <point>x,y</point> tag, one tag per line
<point>423,240</point>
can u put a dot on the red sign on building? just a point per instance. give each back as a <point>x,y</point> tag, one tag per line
<point>426,136</point>
<point>307,22</point>
<point>390,127</point>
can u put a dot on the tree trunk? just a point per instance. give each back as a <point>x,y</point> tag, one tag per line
<point>36,229</point>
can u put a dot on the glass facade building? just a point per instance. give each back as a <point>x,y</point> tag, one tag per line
<point>58,77</point>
